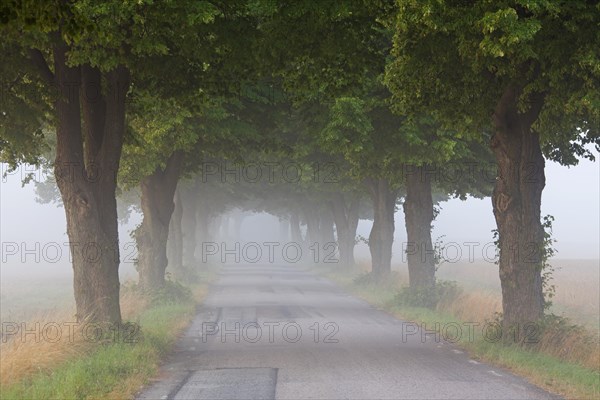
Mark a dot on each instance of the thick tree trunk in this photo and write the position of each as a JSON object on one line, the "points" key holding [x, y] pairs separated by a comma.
{"points": [[418, 213], [516, 201], [189, 225], [86, 165], [158, 191], [382, 232], [346, 221], [175, 240]]}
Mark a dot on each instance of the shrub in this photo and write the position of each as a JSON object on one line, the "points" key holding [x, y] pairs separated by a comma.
{"points": [[427, 297], [171, 293]]}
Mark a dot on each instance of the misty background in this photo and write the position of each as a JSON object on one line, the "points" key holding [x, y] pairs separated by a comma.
{"points": [[572, 196]]}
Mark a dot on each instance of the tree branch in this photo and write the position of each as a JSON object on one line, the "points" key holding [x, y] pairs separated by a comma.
{"points": [[42, 66]]}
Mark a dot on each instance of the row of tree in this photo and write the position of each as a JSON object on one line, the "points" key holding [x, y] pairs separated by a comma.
{"points": [[383, 96]]}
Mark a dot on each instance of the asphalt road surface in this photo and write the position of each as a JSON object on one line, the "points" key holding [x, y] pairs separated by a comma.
{"points": [[282, 332]]}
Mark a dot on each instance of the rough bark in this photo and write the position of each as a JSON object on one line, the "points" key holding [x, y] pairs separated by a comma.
{"points": [[382, 232], [516, 202], [346, 221], [87, 161], [158, 191], [418, 213]]}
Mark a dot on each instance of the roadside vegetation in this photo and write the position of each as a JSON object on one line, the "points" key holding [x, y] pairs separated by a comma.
{"points": [[82, 364], [152, 105], [563, 357]]}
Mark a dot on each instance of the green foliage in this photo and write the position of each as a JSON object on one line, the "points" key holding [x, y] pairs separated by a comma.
{"points": [[559, 332], [370, 281], [438, 251], [443, 291], [457, 59], [23, 100], [548, 251], [365, 279], [171, 293]]}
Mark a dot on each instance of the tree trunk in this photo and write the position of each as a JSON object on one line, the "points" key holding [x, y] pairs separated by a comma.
{"points": [[284, 230], [295, 229], [418, 213], [175, 240], [204, 233], [224, 227], [382, 232], [158, 191], [346, 222], [516, 201], [86, 165], [326, 227], [238, 220], [312, 225], [214, 228], [189, 226]]}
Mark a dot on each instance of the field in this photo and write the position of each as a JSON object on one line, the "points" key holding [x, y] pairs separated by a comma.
{"points": [[38, 292], [577, 285], [24, 297]]}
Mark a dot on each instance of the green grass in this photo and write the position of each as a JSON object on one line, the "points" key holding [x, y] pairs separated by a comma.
{"points": [[565, 378], [115, 369], [553, 374]]}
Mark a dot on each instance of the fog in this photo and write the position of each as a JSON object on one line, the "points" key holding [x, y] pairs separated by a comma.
{"points": [[572, 196]]}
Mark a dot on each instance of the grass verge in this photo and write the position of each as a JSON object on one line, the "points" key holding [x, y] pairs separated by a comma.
{"points": [[572, 379], [110, 368]]}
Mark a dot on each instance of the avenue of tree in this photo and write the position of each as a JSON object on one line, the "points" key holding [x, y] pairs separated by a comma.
{"points": [[382, 101]]}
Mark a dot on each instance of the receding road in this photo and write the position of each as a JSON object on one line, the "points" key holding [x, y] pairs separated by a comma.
{"points": [[282, 332]]}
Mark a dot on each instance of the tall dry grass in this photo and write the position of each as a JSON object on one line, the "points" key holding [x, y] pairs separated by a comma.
{"points": [[22, 355], [577, 295], [474, 306], [572, 336], [557, 338]]}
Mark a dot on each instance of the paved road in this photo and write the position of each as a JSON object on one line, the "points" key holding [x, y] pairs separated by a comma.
{"points": [[282, 332]]}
